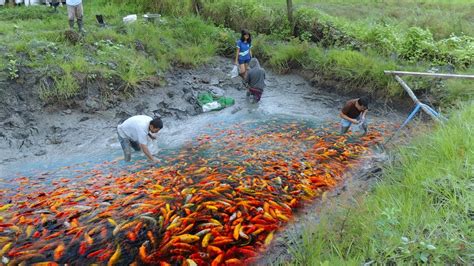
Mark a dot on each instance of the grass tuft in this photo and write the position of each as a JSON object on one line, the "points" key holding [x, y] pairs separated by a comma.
{"points": [[64, 88]]}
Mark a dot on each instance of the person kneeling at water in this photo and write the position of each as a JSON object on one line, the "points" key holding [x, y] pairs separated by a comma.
{"points": [[136, 132], [255, 79], [354, 111]]}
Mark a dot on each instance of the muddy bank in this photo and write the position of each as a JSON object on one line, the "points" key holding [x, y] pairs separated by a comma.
{"points": [[32, 131], [32, 128]]}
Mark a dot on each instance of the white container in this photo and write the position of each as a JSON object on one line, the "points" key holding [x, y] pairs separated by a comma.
{"points": [[130, 18], [152, 17], [32, 2], [211, 106]]}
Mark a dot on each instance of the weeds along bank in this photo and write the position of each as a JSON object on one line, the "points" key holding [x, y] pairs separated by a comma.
{"points": [[421, 211], [351, 42], [36, 46], [352, 52], [333, 49]]}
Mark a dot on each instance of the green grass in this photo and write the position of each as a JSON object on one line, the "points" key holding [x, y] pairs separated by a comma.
{"points": [[286, 56], [441, 17], [64, 88], [135, 52], [361, 71], [357, 44], [362, 25], [421, 211]]}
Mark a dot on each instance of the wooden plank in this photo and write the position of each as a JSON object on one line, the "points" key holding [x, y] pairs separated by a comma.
{"points": [[414, 98], [423, 74]]}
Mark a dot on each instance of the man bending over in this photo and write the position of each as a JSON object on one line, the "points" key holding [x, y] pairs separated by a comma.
{"points": [[256, 80], [354, 112], [136, 132]]}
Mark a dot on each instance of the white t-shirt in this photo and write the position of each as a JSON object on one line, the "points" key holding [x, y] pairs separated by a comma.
{"points": [[136, 128], [73, 2]]}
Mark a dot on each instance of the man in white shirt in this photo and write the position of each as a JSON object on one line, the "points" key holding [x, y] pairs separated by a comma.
{"points": [[136, 132], [75, 11]]}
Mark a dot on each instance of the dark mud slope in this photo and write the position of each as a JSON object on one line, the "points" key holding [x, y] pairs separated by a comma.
{"points": [[34, 131]]}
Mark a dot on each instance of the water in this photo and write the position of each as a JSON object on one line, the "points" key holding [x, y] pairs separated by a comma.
{"points": [[227, 182], [225, 185]]}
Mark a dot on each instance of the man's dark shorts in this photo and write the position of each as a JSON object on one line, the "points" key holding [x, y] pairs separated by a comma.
{"points": [[126, 145]]}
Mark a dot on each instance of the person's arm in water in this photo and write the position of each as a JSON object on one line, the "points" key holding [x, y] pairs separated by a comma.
{"points": [[352, 120], [362, 116], [147, 153]]}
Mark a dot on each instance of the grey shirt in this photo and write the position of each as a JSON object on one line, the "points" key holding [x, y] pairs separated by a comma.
{"points": [[256, 75]]}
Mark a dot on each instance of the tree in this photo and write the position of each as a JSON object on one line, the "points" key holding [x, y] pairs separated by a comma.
{"points": [[196, 6], [289, 6]]}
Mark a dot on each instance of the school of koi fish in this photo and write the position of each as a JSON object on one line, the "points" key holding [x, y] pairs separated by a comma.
{"points": [[218, 201]]}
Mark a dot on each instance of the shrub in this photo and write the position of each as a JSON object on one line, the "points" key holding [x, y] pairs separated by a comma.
{"points": [[287, 56], [226, 40], [253, 15], [457, 51], [382, 38], [418, 45]]}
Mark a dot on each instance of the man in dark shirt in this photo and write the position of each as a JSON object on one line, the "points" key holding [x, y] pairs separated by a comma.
{"points": [[354, 111], [255, 79]]}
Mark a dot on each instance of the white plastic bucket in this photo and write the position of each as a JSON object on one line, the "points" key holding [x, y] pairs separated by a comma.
{"points": [[130, 18]]}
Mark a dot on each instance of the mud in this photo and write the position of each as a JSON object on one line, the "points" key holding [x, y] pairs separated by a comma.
{"points": [[33, 131], [39, 137]]}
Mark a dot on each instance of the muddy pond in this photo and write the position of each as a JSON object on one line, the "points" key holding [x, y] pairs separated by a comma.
{"points": [[228, 183]]}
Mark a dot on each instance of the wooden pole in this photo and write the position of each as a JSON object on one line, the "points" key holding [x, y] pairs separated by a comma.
{"points": [[423, 74], [415, 99]]}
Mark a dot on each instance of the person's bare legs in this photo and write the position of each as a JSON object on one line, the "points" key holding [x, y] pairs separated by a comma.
{"points": [[242, 70], [344, 129]]}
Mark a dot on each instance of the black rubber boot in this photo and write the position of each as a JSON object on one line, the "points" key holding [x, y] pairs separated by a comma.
{"points": [[80, 24], [100, 20], [71, 24]]}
